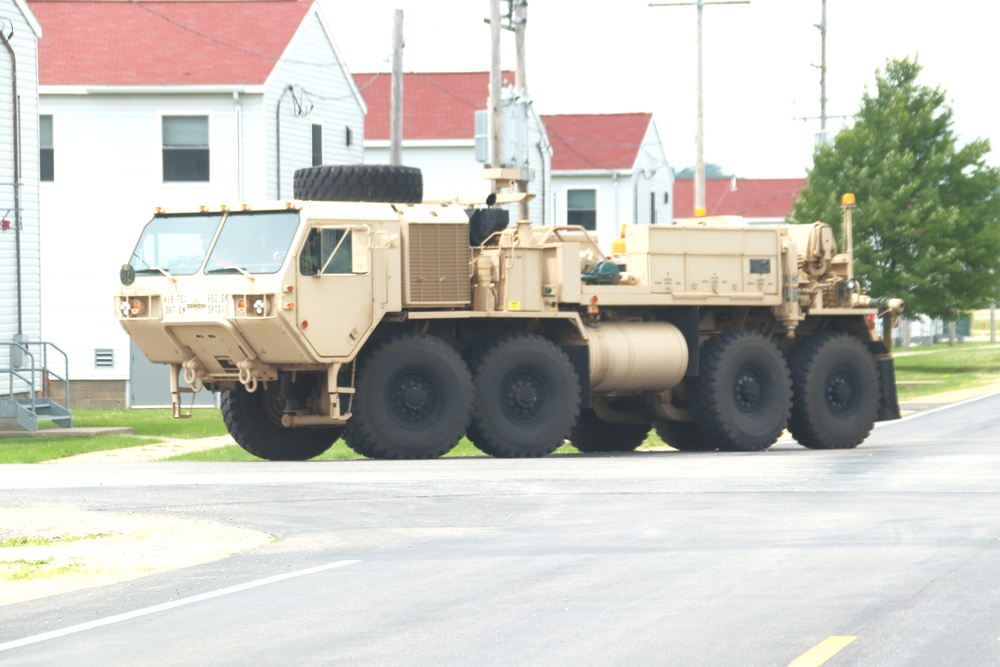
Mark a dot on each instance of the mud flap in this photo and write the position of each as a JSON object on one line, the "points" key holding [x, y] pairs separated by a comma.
{"points": [[888, 406]]}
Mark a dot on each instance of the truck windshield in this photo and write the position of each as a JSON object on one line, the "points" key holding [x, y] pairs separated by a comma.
{"points": [[174, 243], [253, 242]]}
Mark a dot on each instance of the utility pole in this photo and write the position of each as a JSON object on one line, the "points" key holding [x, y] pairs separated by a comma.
{"points": [[396, 119], [823, 117], [504, 175], [822, 75], [699, 165], [993, 320], [520, 20], [496, 140]]}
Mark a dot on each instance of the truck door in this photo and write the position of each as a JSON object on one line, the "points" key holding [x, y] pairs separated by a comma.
{"points": [[334, 288]]}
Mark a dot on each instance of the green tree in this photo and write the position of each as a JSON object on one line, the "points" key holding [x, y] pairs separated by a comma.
{"points": [[927, 226]]}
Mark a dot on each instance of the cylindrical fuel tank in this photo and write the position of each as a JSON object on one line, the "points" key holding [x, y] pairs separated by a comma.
{"points": [[636, 356]]}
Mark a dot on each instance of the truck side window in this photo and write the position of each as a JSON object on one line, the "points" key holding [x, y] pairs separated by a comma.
{"points": [[327, 251]]}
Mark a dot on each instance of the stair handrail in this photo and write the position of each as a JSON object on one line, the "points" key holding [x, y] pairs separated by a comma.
{"points": [[13, 371], [28, 376]]}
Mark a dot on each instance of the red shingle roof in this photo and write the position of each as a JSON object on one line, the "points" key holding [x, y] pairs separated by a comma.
{"points": [[440, 105], [436, 105], [596, 141], [751, 198], [163, 43]]}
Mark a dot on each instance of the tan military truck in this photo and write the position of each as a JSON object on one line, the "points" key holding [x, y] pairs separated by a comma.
{"points": [[403, 326]]}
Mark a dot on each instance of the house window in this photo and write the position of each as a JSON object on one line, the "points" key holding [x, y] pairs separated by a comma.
{"points": [[652, 208], [348, 138], [46, 151], [185, 149], [317, 145], [581, 208]]}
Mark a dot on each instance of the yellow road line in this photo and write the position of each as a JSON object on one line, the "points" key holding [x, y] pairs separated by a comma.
{"points": [[822, 651]]}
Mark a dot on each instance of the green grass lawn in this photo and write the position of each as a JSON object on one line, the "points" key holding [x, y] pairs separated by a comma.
{"points": [[939, 368], [39, 448], [205, 422], [919, 372], [148, 426]]}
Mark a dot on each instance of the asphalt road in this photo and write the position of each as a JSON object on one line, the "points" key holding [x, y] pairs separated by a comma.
{"points": [[661, 558]]}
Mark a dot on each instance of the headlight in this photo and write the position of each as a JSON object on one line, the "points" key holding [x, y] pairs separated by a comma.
{"points": [[253, 305], [133, 307]]}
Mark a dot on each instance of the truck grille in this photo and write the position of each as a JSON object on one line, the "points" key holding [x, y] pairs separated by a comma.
{"points": [[438, 264]]}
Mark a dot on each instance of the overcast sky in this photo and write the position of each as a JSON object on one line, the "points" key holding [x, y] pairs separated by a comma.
{"points": [[760, 79]]}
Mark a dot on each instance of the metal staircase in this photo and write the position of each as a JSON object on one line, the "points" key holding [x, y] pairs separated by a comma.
{"points": [[28, 399]]}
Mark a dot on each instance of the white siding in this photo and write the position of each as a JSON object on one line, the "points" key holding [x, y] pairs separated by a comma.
{"points": [[108, 179], [311, 65], [25, 45], [652, 175], [449, 171], [450, 168], [540, 160], [613, 200], [622, 196]]}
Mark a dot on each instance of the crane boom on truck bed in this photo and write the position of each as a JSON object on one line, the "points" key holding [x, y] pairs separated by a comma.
{"points": [[403, 326]]}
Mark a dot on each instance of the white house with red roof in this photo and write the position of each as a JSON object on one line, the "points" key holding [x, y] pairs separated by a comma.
{"points": [[609, 169], [762, 201], [20, 276], [171, 104], [439, 131]]}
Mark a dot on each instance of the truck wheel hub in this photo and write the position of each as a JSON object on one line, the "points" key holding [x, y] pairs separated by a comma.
{"points": [[749, 391], [413, 397], [524, 396], [839, 393]]}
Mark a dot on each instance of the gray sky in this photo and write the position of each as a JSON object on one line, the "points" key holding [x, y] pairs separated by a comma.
{"points": [[590, 57]]}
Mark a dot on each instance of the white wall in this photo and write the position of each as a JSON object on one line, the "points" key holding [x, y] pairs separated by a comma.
{"points": [[108, 178], [652, 174], [450, 169], [622, 196], [613, 200], [108, 181], [313, 66], [24, 43]]}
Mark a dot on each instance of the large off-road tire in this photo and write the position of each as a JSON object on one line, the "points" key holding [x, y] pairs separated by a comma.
{"points": [[835, 392], [593, 434], [683, 436], [414, 399], [744, 392], [254, 421], [527, 397], [360, 182]]}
